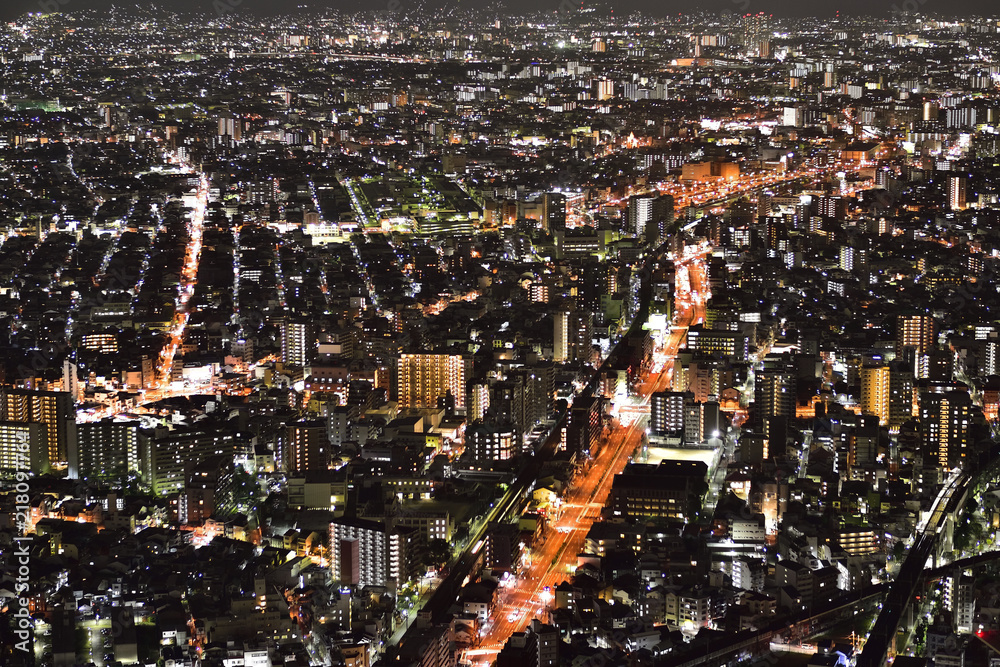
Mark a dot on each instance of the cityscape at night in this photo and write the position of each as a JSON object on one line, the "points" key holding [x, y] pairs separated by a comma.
{"points": [[460, 336]]}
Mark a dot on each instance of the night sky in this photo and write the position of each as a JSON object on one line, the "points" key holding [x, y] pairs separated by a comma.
{"points": [[10, 9]]}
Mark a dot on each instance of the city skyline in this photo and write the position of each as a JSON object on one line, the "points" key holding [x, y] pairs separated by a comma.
{"points": [[488, 9]]}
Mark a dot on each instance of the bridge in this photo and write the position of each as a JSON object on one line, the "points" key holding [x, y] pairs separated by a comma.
{"points": [[882, 637], [753, 643], [932, 542], [933, 538]]}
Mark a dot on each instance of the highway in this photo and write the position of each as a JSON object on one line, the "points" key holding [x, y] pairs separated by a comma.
{"points": [[898, 594], [438, 601], [441, 597], [719, 191]]}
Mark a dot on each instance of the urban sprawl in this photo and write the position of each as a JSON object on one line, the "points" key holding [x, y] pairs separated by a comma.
{"points": [[455, 337]]}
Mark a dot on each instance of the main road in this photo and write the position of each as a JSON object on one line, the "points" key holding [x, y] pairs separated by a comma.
{"points": [[185, 290], [189, 277], [554, 560]]}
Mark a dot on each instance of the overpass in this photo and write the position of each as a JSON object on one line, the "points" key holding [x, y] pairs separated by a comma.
{"points": [[933, 539], [754, 643], [969, 563], [882, 637], [898, 595]]}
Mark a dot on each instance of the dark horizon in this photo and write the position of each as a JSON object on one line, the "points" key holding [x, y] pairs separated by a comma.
{"points": [[14, 9]]}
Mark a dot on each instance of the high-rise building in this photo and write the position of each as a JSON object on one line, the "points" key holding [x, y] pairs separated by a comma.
{"points": [[54, 409], [701, 420], [492, 442], [24, 446], [548, 640], [640, 213], [298, 343], [853, 258], [106, 449], [937, 365], [555, 211], [662, 218], [404, 544], [367, 553], [208, 491], [231, 127], [168, 455], [900, 396], [503, 547], [71, 382], [308, 447], [947, 424], [707, 377], [862, 442], [338, 423], [666, 412], [756, 34], [477, 401], [262, 192], [507, 401], [585, 425], [957, 185], [524, 398], [540, 385], [581, 335], [915, 332], [875, 392], [358, 552], [722, 343], [560, 336], [792, 116], [961, 598], [538, 646], [828, 206], [425, 379], [663, 491], [774, 395]]}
